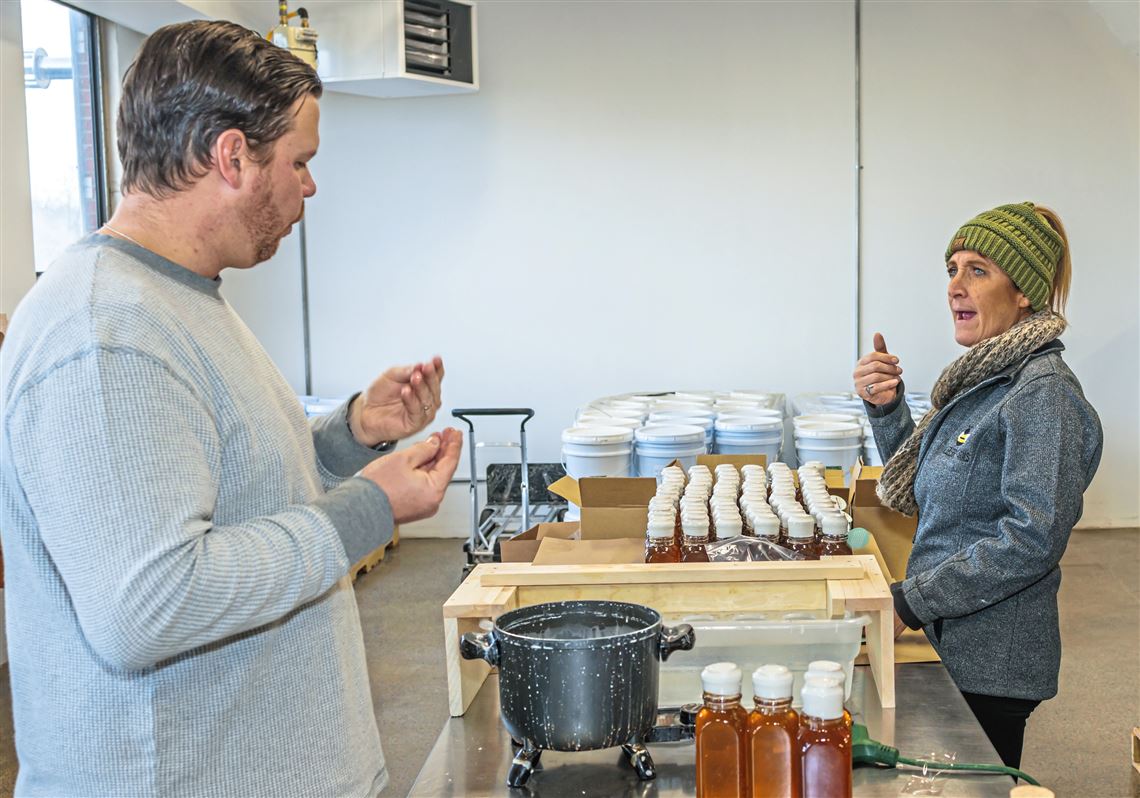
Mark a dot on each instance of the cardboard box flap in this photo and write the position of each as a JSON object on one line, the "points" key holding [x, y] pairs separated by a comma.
{"points": [[617, 491], [567, 488], [864, 480], [524, 546]]}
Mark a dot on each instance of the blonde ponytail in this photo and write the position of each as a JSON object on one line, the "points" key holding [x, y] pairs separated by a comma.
{"points": [[1064, 275]]}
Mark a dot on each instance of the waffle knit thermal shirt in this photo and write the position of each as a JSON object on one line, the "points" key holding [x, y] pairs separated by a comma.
{"points": [[177, 539]]}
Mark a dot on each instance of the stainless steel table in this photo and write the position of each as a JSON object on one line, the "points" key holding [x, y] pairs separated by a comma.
{"points": [[473, 753]]}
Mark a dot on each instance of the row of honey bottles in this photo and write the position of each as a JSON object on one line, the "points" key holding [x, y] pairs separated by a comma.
{"points": [[773, 752]]}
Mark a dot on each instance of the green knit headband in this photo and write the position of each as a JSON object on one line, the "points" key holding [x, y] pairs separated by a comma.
{"points": [[1021, 242]]}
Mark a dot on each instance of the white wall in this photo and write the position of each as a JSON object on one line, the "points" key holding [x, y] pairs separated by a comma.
{"points": [[970, 105], [17, 260]]}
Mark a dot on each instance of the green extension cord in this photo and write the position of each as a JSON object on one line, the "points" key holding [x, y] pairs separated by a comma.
{"points": [[866, 751]]}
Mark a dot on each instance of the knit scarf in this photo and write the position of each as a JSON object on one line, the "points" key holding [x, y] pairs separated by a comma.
{"points": [[982, 361]]}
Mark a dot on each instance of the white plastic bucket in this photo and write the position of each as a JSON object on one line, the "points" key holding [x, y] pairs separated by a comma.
{"points": [[660, 444], [752, 412], [750, 435], [836, 445], [694, 421], [597, 451]]}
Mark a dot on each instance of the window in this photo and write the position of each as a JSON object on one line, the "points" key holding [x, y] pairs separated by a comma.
{"points": [[65, 146]]}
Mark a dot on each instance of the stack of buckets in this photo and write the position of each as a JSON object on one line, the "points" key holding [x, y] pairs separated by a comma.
{"points": [[639, 435]]}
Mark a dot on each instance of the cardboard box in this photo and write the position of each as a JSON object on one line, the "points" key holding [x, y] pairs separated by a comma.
{"points": [[893, 531], [612, 507], [524, 547], [618, 551]]}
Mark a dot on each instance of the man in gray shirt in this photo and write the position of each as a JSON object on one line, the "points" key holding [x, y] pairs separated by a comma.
{"points": [[177, 536]]}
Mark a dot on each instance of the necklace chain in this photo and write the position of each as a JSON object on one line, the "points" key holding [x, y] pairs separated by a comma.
{"points": [[121, 234]]}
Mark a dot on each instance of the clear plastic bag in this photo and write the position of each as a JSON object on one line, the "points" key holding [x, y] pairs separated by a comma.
{"points": [[929, 780], [747, 549]]}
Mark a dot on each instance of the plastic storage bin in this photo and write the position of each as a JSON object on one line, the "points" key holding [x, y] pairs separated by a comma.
{"points": [[790, 639]]}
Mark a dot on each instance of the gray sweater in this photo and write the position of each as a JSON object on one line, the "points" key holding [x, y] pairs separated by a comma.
{"points": [[1002, 471], [176, 544]]}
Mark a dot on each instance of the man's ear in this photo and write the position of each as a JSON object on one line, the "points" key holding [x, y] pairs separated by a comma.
{"points": [[231, 156], [1023, 301]]}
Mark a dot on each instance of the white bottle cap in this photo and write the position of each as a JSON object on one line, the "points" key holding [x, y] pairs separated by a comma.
{"points": [[826, 668], [834, 525], [800, 526], [822, 698], [695, 527], [729, 527], [659, 530], [772, 681], [766, 526], [722, 678]]}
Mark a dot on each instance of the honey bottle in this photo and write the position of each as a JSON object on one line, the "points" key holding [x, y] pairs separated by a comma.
{"points": [[721, 732], [833, 537], [766, 526], [824, 742], [696, 535], [773, 736], [801, 536], [660, 545]]}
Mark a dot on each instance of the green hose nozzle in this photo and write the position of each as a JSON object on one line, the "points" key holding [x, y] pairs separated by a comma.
{"points": [[865, 751]]}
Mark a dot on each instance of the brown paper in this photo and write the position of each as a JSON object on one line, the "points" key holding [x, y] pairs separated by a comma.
{"points": [[522, 548]]}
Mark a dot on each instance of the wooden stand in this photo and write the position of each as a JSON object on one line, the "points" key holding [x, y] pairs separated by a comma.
{"points": [[374, 557], [833, 585]]}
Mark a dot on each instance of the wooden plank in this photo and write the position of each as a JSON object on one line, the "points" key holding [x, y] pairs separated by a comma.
{"points": [[673, 573], [1136, 748], [464, 676], [836, 598], [690, 599]]}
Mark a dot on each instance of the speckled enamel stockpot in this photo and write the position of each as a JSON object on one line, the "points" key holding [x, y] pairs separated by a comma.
{"points": [[563, 687]]}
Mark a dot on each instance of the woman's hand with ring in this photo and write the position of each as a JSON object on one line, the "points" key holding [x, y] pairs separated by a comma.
{"points": [[877, 375]]}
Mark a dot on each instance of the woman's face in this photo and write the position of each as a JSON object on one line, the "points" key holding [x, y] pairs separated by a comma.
{"points": [[984, 302]]}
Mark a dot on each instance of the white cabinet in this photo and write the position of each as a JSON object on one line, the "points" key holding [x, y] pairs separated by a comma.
{"points": [[377, 48]]}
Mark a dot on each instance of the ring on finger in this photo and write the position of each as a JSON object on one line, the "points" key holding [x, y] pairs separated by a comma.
{"points": [[870, 388], [426, 409]]}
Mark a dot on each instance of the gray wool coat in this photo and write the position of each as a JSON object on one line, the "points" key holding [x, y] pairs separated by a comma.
{"points": [[1001, 475]]}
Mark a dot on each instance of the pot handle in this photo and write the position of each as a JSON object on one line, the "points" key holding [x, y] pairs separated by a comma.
{"points": [[675, 638], [480, 646]]}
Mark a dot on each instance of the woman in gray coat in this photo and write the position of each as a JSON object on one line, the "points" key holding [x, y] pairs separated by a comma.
{"points": [[996, 470]]}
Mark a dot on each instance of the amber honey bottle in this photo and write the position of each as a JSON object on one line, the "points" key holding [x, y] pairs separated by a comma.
{"points": [[696, 536], [660, 545], [721, 732], [773, 754], [824, 742]]}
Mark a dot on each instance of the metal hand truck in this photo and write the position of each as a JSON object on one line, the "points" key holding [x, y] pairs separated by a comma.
{"points": [[508, 509]]}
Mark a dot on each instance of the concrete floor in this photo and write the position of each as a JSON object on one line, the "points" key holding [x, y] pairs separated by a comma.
{"points": [[1077, 744]]}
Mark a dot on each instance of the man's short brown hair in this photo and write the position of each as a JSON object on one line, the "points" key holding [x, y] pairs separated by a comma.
{"points": [[190, 82]]}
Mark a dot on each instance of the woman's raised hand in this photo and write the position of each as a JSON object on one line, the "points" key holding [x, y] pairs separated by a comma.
{"points": [[877, 374]]}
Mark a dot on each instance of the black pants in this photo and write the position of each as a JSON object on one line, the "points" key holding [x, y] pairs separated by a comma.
{"points": [[1003, 720]]}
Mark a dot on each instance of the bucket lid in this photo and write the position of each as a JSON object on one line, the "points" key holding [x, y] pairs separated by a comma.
{"points": [[670, 433], [693, 411], [597, 420], [746, 424], [750, 411], [704, 397], [597, 435], [812, 418], [830, 430]]}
